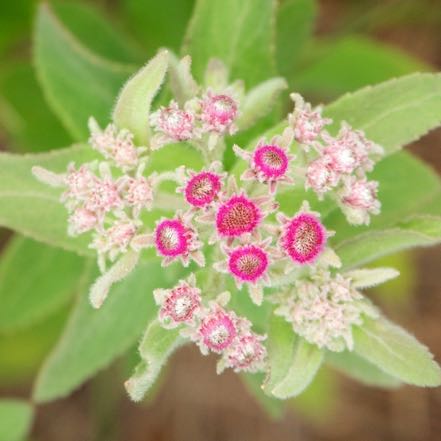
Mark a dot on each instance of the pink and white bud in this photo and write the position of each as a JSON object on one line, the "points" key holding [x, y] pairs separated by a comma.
{"points": [[180, 304], [359, 200], [321, 176], [103, 196], [218, 113], [79, 182], [139, 193], [81, 221], [306, 122], [172, 124]]}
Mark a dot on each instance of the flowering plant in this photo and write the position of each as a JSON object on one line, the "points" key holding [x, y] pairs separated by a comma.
{"points": [[244, 229]]}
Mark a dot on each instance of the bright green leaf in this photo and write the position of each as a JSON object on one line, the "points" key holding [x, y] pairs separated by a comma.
{"points": [[349, 63], [32, 208], [92, 339], [158, 24], [304, 365], [393, 113], [361, 370], [295, 22], [156, 347], [396, 352], [77, 83], [240, 33], [51, 278], [133, 105], [15, 419]]}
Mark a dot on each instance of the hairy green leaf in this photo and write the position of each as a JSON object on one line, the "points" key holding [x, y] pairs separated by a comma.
{"points": [[156, 347], [393, 113], [240, 33], [396, 352], [15, 419], [349, 63], [352, 365], [77, 83], [133, 105], [92, 339], [51, 278]]}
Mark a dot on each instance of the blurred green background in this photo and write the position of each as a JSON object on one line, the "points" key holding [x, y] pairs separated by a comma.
{"points": [[336, 46]]}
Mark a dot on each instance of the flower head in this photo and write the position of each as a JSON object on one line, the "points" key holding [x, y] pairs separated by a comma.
{"points": [[179, 304], [246, 354], [202, 188], [81, 221], [139, 192], [218, 113], [302, 237], [321, 175]]}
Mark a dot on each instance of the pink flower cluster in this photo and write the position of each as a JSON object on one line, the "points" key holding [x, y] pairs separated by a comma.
{"points": [[211, 326], [210, 114], [337, 164]]}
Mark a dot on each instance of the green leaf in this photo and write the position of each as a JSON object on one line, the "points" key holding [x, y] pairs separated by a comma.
{"points": [[158, 24], [26, 129], [240, 33], [293, 362], [349, 63], [32, 208], [133, 105], [393, 113], [93, 30], [361, 370], [396, 352], [304, 365], [295, 22], [77, 83], [51, 278], [15, 419], [93, 339], [419, 231], [156, 347]]}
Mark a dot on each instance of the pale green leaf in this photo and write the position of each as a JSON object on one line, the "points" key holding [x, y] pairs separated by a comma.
{"points": [[419, 231], [295, 22], [240, 33], [304, 364], [393, 113], [93, 339], [33, 208], [77, 83], [156, 347], [132, 108], [334, 67], [369, 277], [35, 280], [396, 352], [15, 419], [352, 365]]}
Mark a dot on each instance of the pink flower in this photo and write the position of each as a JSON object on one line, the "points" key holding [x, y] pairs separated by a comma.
{"points": [[139, 192], [120, 234], [202, 188], [179, 304], [248, 263], [307, 123], [246, 354], [177, 239], [81, 221], [79, 182], [321, 176], [218, 113], [103, 196], [173, 123], [341, 157], [359, 199], [303, 237], [217, 330], [237, 216]]}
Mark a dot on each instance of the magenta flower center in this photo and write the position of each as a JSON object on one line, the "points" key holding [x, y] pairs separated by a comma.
{"points": [[237, 216], [304, 238], [218, 332], [271, 160], [248, 263], [202, 189], [171, 238]]}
